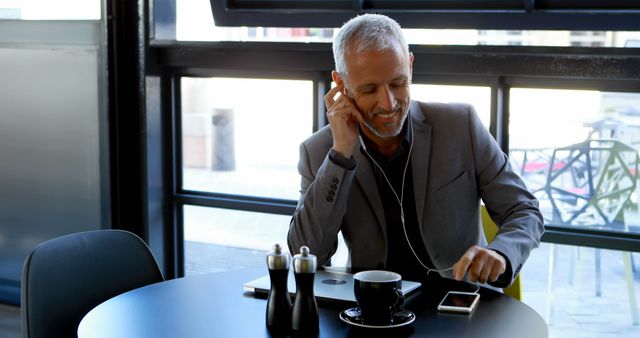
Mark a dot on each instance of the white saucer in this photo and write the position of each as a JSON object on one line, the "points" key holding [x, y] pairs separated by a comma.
{"points": [[353, 316]]}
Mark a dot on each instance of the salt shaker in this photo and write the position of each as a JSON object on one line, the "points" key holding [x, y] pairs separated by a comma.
{"points": [[279, 302], [304, 318]]}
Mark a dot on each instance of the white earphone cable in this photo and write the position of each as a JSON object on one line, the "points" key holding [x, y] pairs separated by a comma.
{"points": [[401, 198]]}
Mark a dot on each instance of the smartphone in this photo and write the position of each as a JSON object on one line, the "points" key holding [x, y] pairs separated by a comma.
{"points": [[459, 302]]}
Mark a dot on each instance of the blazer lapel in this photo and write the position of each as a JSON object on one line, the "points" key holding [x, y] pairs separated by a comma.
{"points": [[367, 182], [420, 158]]}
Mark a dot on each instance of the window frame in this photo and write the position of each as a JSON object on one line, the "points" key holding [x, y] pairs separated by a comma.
{"points": [[457, 14], [226, 200], [500, 67]]}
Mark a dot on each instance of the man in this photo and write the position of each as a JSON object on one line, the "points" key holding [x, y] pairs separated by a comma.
{"points": [[403, 179]]}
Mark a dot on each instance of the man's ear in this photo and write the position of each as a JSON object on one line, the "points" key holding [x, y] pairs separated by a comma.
{"points": [[337, 78], [411, 64]]}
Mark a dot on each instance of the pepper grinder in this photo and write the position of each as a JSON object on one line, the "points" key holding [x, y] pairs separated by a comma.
{"points": [[304, 318], [279, 302]]}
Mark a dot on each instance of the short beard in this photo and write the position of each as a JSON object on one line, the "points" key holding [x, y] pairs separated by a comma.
{"points": [[391, 133], [378, 133]]}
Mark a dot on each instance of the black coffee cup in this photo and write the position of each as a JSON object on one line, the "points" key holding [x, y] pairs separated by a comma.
{"points": [[378, 294]]}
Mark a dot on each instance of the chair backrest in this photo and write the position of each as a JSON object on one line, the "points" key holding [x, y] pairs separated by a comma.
{"points": [[589, 183], [64, 278], [490, 230]]}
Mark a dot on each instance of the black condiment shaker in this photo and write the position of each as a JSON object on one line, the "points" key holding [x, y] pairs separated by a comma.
{"points": [[279, 302], [304, 317]]}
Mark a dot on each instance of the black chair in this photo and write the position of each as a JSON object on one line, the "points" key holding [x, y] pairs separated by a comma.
{"points": [[64, 278]]}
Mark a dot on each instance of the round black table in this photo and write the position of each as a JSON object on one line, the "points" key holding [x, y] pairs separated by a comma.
{"points": [[215, 305]]}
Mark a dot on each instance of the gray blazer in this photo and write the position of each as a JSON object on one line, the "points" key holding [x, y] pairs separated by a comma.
{"points": [[455, 162]]}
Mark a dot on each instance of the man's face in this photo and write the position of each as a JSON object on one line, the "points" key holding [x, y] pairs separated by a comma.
{"points": [[378, 82]]}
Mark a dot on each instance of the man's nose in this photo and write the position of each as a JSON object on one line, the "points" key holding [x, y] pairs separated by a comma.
{"points": [[386, 99]]}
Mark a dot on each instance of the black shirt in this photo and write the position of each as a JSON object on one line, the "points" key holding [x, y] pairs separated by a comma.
{"points": [[400, 257]]}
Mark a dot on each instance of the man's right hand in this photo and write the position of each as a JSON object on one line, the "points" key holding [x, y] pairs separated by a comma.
{"points": [[343, 116]]}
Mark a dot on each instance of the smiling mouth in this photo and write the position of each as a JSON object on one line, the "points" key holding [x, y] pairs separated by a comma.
{"points": [[387, 116]]}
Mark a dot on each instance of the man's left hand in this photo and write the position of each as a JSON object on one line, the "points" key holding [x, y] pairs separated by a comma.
{"points": [[484, 265]]}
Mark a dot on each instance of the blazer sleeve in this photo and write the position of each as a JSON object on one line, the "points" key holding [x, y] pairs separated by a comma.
{"points": [[509, 203], [323, 203]]}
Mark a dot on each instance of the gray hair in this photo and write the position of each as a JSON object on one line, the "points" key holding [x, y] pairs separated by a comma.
{"points": [[367, 32]]}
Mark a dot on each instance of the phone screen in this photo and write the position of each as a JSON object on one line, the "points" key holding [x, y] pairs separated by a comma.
{"points": [[459, 299], [462, 302]]}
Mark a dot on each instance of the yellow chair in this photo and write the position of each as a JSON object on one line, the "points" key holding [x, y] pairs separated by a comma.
{"points": [[490, 230]]}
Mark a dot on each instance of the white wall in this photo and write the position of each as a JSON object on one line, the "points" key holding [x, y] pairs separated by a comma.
{"points": [[50, 135]]}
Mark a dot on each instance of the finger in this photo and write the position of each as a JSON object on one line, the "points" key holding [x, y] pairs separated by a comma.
{"points": [[355, 113], [500, 266], [329, 97], [460, 268], [495, 272], [345, 108], [487, 270], [342, 111], [473, 276], [479, 265]]}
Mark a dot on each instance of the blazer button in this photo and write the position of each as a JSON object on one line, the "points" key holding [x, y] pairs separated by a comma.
{"points": [[329, 198], [334, 187], [334, 180], [332, 193]]}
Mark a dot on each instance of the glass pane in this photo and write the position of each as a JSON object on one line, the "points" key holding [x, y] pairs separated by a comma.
{"points": [[584, 284], [521, 38], [222, 239], [478, 97], [50, 10], [577, 150], [241, 136], [195, 23]]}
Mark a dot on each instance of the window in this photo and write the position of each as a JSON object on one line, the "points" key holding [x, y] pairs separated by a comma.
{"points": [[238, 74], [478, 97], [584, 169], [195, 23], [50, 10], [241, 136], [507, 14], [216, 239]]}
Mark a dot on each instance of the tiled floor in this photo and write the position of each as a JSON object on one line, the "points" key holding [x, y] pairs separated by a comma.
{"points": [[577, 312]]}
